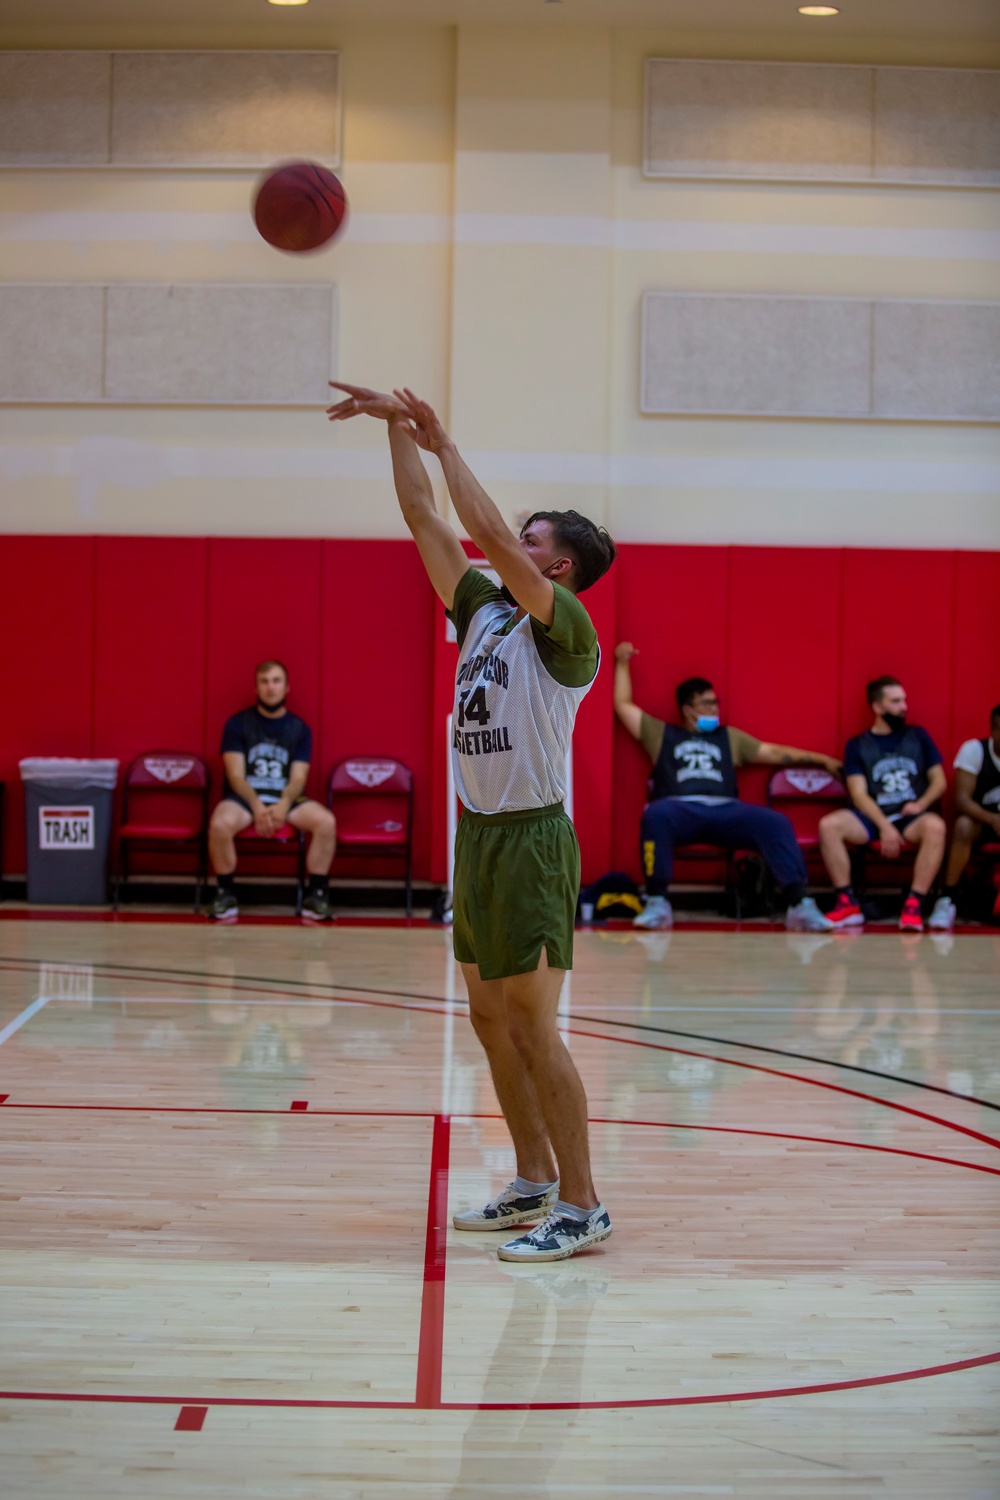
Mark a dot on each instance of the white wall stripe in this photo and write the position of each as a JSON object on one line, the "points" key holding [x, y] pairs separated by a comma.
{"points": [[678, 236], [94, 462]]}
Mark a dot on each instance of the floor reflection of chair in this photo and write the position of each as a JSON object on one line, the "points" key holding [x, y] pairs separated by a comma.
{"points": [[532, 1362]]}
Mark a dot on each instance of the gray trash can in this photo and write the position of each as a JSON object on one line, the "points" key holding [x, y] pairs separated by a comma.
{"points": [[68, 814]]}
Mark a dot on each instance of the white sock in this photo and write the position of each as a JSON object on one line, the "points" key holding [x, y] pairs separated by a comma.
{"points": [[570, 1211], [526, 1189]]}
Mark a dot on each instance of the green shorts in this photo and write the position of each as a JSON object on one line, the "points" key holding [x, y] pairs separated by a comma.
{"points": [[517, 878]]}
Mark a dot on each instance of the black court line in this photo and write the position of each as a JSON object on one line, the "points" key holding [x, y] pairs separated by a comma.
{"points": [[362, 989]]}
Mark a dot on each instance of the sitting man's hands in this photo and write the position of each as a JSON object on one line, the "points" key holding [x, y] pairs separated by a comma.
{"points": [[891, 841], [264, 824]]}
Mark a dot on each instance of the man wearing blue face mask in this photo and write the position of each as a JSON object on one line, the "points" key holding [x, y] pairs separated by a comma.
{"points": [[695, 799]]}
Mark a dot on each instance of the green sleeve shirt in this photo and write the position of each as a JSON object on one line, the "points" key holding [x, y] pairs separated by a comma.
{"points": [[568, 647]]}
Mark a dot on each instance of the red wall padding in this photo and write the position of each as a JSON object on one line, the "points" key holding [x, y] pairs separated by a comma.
{"points": [[123, 644]]}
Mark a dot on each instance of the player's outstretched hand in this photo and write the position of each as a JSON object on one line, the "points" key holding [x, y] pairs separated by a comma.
{"points": [[362, 401], [426, 428]]}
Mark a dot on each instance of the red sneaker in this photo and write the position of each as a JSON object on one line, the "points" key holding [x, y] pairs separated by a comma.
{"points": [[846, 912], [911, 918]]}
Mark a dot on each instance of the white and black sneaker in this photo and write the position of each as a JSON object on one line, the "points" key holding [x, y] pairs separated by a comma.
{"points": [[559, 1237], [225, 907], [509, 1209]]}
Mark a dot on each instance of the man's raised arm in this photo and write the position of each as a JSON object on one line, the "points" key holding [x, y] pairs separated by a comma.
{"points": [[480, 516], [440, 550]]}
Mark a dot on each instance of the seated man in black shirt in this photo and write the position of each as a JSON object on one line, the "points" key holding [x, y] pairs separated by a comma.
{"points": [[695, 799], [977, 806], [894, 775], [266, 752]]}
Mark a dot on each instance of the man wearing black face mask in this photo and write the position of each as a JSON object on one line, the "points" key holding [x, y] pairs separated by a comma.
{"points": [[894, 775], [266, 751]]}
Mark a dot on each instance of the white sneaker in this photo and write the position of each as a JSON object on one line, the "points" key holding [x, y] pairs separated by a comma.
{"points": [[942, 918], [559, 1237], [508, 1209], [807, 917], [656, 913]]}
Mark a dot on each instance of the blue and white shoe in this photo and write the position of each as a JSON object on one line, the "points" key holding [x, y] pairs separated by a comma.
{"points": [[559, 1237], [509, 1209], [807, 917]]}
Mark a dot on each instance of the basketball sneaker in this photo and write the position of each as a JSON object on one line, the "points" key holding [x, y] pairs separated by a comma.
{"points": [[508, 1209], [559, 1237], [316, 907], [656, 913], [942, 918], [846, 913], [225, 907], [911, 918], [807, 917]]}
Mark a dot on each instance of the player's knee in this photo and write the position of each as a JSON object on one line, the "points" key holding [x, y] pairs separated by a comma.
{"points": [[219, 824], [935, 828], [829, 826], [326, 823], [965, 829]]}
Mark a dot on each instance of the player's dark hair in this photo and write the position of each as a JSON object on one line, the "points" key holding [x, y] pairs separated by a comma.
{"points": [[877, 687], [590, 546], [995, 714], [265, 666], [688, 690]]}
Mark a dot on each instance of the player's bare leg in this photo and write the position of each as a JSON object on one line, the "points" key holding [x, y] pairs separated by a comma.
{"points": [[321, 825], [228, 819], [532, 1002], [511, 1079]]}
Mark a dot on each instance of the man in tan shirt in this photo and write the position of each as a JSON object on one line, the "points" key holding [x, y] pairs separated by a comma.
{"points": [[695, 799]]}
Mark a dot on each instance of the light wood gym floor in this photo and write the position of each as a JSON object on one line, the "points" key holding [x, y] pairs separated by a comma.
{"points": [[230, 1159]]}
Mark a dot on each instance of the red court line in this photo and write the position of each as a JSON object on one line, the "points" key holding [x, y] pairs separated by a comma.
{"points": [[298, 1106], [437, 1009], [191, 1419], [430, 1351], [720, 1398], [426, 1114]]}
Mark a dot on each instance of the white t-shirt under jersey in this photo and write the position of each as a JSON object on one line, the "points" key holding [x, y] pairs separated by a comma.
{"points": [[970, 757], [518, 688]]}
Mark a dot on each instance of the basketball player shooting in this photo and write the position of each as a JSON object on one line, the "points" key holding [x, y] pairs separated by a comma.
{"points": [[528, 655]]}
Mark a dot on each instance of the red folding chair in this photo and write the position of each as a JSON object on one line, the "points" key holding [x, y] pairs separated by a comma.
{"points": [[372, 800], [288, 841], [165, 807], [805, 795]]}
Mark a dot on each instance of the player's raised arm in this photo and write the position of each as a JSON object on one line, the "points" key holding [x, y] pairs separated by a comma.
{"points": [[481, 518], [440, 550]]}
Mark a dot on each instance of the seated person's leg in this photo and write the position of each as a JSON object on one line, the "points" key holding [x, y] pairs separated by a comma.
{"points": [[963, 841], [228, 819], [772, 835], [318, 822], [929, 834], [838, 831], [667, 822]]}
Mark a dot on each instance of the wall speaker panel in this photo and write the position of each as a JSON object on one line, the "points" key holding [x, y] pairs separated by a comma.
{"points": [[244, 109], [937, 359], [937, 125], [51, 337], [731, 119], [55, 108], [219, 345], [786, 356]]}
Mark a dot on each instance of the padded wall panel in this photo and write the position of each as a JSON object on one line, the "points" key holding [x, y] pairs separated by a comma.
{"points": [[55, 108], [46, 607], [593, 741], [673, 604], [219, 345], [755, 355], [149, 644], [784, 609], [52, 340], [734, 119], [377, 626], [244, 109], [898, 618], [263, 601], [937, 125], [976, 651], [937, 359]]}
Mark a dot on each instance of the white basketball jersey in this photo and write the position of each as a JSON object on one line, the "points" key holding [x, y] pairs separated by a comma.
{"points": [[513, 721]]}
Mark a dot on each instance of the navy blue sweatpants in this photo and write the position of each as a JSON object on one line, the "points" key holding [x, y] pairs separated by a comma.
{"points": [[672, 821]]}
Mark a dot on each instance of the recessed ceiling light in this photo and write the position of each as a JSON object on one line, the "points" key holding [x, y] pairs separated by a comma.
{"points": [[804, 10], [288, 2]]}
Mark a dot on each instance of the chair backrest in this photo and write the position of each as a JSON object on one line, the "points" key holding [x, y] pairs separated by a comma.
{"points": [[804, 795], [366, 774], [160, 783], [168, 770], [372, 798]]}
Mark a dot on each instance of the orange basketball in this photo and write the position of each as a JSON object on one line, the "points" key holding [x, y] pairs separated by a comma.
{"points": [[299, 206]]}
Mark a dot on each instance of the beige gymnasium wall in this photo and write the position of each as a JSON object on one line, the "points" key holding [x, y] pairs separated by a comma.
{"points": [[501, 238]]}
